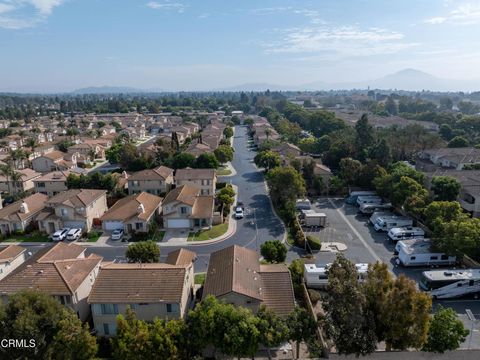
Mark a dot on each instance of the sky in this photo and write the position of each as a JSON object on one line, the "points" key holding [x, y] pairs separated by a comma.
{"points": [[62, 45]]}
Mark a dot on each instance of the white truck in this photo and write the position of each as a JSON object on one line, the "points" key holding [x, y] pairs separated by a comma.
{"points": [[405, 233], [385, 223], [316, 276], [417, 252], [311, 218]]}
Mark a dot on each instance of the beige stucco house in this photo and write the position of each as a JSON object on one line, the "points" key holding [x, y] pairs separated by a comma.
{"points": [[54, 161], [185, 208], [25, 183], [235, 275], [62, 271], [158, 290], [11, 257], [52, 183], [19, 215], [76, 208], [133, 213], [205, 179], [154, 181]]}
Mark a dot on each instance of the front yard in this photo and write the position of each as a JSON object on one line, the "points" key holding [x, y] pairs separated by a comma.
{"points": [[209, 234], [32, 237], [223, 171]]}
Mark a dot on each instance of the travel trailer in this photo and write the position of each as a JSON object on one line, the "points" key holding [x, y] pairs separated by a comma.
{"points": [[405, 233], [369, 200], [368, 209], [352, 198], [378, 214], [316, 276], [417, 252], [312, 218], [385, 223]]}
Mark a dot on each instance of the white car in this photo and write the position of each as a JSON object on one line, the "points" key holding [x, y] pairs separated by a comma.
{"points": [[74, 234], [238, 213], [117, 234], [60, 234]]}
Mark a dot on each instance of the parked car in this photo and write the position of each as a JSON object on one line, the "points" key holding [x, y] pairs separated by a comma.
{"points": [[117, 234], [60, 234], [240, 204], [74, 234], [238, 213]]}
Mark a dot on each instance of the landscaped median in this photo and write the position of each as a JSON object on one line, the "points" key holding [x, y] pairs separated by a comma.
{"points": [[214, 232]]}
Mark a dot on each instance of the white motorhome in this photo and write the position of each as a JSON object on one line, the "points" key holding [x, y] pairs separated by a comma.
{"points": [[405, 233], [438, 279], [369, 200], [385, 223], [316, 276], [378, 214], [368, 209], [417, 252], [352, 198]]}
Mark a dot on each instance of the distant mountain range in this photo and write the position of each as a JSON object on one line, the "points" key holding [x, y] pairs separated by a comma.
{"points": [[407, 79]]}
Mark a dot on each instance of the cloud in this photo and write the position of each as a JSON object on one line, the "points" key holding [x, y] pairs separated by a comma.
{"points": [[21, 14], [331, 41], [169, 6], [463, 14]]}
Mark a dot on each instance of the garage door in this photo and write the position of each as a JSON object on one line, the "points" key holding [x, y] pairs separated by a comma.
{"points": [[112, 225], [178, 223], [74, 224]]}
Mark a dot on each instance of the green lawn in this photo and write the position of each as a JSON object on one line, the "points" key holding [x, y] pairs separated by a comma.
{"points": [[200, 278], [222, 171], [93, 236], [33, 237], [212, 233]]}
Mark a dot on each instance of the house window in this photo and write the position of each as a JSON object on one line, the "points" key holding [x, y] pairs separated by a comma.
{"points": [[41, 184], [133, 306], [64, 212], [172, 308], [139, 226], [109, 309], [109, 329], [183, 210]]}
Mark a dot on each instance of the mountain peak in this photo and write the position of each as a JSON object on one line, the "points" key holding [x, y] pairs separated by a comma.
{"points": [[411, 72]]}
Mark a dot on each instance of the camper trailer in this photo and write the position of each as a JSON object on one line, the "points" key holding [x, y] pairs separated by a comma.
{"points": [[352, 198], [405, 233], [368, 209], [316, 276], [369, 200], [311, 218], [378, 214], [385, 223], [417, 252]]}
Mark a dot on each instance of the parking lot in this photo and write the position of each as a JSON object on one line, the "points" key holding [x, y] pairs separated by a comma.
{"points": [[365, 245]]}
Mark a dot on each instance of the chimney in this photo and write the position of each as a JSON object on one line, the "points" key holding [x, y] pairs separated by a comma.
{"points": [[24, 208], [140, 209], [125, 175]]}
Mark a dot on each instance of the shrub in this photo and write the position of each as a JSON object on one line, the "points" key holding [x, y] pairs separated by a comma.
{"points": [[93, 234], [314, 243], [314, 296]]}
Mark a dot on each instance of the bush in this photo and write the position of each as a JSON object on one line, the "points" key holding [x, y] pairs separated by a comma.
{"points": [[274, 251], [314, 296], [314, 243], [297, 234], [93, 234]]}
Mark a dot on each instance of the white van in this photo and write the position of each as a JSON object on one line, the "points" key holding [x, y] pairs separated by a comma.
{"points": [[352, 198], [369, 200], [385, 223], [405, 233], [417, 252], [368, 209], [303, 204], [378, 214]]}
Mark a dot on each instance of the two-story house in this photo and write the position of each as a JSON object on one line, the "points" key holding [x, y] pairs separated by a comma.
{"points": [[23, 183], [22, 213], [153, 181], [133, 213], [54, 161], [76, 208], [52, 183], [185, 208], [204, 179], [11, 257], [451, 158], [235, 275], [158, 290], [62, 271]]}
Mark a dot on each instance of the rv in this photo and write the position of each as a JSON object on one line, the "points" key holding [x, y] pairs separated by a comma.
{"points": [[439, 279], [312, 218], [385, 223], [317, 276], [368, 209], [378, 214], [369, 200], [352, 198], [417, 252], [303, 204], [405, 233]]}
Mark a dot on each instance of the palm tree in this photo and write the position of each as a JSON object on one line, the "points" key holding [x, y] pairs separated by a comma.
{"points": [[15, 178], [7, 170]]}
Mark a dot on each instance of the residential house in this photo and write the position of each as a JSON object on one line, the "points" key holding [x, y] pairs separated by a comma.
{"points": [[53, 183], [76, 208], [21, 214], [54, 161], [197, 149], [205, 179], [133, 213], [185, 208], [157, 290], [24, 183], [154, 181], [287, 150], [235, 275], [451, 158], [62, 271], [11, 257], [88, 151]]}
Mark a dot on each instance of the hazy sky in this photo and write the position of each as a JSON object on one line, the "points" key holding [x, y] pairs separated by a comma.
{"points": [[60, 45]]}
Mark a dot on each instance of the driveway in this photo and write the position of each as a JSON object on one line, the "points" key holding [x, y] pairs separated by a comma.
{"points": [[175, 236]]}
